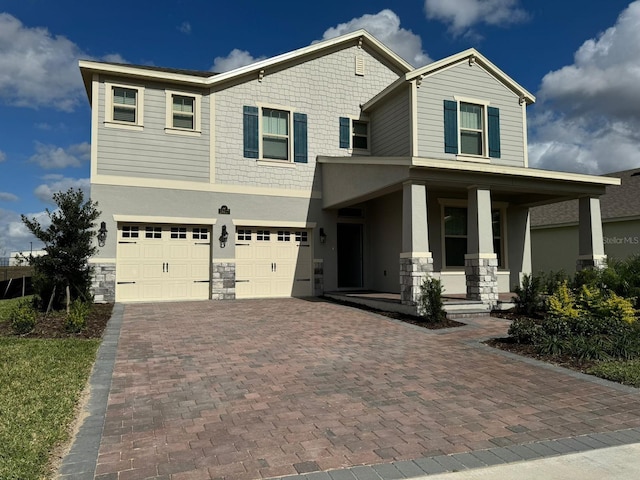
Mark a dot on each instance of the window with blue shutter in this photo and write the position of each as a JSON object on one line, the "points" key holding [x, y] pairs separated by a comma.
{"points": [[250, 131], [450, 126], [493, 121], [345, 132], [300, 137]]}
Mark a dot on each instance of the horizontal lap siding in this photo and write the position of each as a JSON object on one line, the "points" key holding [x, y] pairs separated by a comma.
{"points": [[391, 126], [324, 88], [473, 82], [152, 152]]}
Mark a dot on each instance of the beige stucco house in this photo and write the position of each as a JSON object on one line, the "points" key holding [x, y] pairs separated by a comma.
{"points": [[555, 229], [337, 166]]}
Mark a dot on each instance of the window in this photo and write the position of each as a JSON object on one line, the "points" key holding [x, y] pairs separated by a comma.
{"points": [[354, 134], [124, 106], [455, 235], [178, 232], [153, 232], [199, 233], [302, 237], [263, 235], [130, 231], [244, 234], [284, 236], [183, 113], [471, 128], [275, 134]]}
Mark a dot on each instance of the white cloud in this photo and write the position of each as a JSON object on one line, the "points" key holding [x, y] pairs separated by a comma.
{"points": [[3, 156], [51, 156], [58, 183], [14, 235], [185, 27], [591, 109], [237, 58], [385, 26], [8, 197], [114, 58], [461, 15], [39, 69]]}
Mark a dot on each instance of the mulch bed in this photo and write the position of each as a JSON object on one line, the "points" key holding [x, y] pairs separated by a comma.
{"points": [[53, 325]]}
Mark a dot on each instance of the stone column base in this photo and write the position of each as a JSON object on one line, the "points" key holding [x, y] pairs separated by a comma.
{"points": [[223, 281], [588, 261], [103, 282], [413, 270], [481, 273], [318, 277]]}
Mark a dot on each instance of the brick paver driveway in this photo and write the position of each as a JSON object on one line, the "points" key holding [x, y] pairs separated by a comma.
{"points": [[265, 388]]}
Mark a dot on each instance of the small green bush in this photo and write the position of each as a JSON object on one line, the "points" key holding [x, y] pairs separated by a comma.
{"points": [[23, 317], [627, 372], [431, 304], [528, 297], [549, 281], [526, 331], [76, 319], [562, 303]]}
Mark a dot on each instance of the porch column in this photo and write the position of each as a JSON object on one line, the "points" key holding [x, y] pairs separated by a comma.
{"points": [[416, 261], [480, 262], [591, 243]]}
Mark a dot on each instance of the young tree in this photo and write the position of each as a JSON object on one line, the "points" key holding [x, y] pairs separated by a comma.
{"points": [[68, 246]]}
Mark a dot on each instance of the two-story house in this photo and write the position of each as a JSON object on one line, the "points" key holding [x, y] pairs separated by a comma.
{"points": [[335, 166]]}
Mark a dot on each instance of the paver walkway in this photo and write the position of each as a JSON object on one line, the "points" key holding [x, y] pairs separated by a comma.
{"points": [[266, 388]]}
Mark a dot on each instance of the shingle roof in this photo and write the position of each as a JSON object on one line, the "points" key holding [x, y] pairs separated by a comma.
{"points": [[619, 202], [182, 71]]}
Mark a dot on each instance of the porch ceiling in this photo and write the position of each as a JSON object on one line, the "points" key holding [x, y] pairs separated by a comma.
{"points": [[351, 180]]}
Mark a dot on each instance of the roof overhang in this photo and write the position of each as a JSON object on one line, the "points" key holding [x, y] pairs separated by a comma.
{"points": [[351, 180]]}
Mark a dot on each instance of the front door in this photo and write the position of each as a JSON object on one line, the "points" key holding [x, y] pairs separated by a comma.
{"points": [[350, 255]]}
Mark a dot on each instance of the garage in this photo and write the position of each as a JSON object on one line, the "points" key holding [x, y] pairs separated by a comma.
{"points": [[163, 262], [273, 262]]}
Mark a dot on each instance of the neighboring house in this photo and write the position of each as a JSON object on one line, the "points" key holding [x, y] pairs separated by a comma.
{"points": [[555, 228], [336, 166], [18, 258]]}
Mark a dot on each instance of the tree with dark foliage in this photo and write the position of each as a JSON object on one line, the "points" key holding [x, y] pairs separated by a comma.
{"points": [[64, 273]]}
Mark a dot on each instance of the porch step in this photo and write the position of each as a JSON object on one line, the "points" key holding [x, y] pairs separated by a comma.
{"points": [[458, 309]]}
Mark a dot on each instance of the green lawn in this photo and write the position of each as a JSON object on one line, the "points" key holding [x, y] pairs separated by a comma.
{"points": [[41, 382], [625, 372]]}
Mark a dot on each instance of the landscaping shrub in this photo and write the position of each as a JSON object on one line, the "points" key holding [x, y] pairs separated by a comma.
{"points": [[76, 319], [23, 317], [549, 281], [562, 303], [528, 297], [605, 304], [627, 373], [431, 304], [526, 331]]}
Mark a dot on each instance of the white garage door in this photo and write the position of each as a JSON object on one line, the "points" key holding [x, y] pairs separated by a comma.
{"points": [[163, 262], [273, 263]]}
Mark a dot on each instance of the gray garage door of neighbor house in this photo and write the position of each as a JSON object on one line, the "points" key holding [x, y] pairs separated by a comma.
{"points": [[273, 262], [163, 262]]}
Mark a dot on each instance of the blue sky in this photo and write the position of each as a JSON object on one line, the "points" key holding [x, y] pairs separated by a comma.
{"points": [[581, 60]]}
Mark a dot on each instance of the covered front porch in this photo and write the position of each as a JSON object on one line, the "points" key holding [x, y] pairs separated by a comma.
{"points": [[462, 222]]}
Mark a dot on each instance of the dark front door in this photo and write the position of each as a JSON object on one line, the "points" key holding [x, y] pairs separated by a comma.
{"points": [[350, 255]]}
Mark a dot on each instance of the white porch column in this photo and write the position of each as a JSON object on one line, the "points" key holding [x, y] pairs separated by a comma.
{"points": [[591, 243], [416, 261], [481, 262]]}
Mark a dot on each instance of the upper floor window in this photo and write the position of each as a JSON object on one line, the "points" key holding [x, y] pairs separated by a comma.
{"points": [[471, 128], [354, 134], [183, 113], [275, 134], [124, 105]]}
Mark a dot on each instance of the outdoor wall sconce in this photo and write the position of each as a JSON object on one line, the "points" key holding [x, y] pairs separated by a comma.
{"points": [[224, 236], [323, 236], [102, 234]]}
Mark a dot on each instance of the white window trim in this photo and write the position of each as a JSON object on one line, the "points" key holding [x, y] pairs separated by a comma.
{"points": [[108, 107], [460, 203], [274, 161], [485, 130], [197, 114], [362, 119]]}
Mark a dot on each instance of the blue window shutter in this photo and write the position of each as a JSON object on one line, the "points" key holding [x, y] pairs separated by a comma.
{"points": [[344, 132], [494, 132], [300, 137], [250, 130], [450, 126]]}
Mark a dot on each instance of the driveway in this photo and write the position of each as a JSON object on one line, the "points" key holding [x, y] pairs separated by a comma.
{"points": [[267, 388]]}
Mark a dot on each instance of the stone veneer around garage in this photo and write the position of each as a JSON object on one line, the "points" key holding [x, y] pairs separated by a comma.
{"points": [[223, 281], [103, 282]]}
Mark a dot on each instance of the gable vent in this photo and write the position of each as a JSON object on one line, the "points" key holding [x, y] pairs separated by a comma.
{"points": [[359, 65]]}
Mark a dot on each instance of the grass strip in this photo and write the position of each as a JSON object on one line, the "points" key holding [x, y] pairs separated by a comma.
{"points": [[41, 384], [625, 372]]}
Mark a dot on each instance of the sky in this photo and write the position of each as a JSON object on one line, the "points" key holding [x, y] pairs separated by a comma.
{"points": [[581, 59]]}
